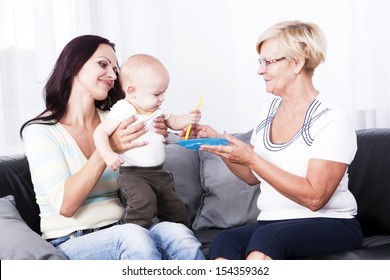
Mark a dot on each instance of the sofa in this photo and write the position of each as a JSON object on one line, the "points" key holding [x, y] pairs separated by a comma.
{"points": [[215, 199]]}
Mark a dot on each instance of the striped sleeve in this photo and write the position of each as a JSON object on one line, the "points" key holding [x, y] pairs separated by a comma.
{"points": [[48, 165]]}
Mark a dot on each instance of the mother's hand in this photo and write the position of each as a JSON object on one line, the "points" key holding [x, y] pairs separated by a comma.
{"points": [[124, 137], [161, 128]]}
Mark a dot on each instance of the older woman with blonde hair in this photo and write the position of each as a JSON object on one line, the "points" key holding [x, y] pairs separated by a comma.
{"points": [[300, 150]]}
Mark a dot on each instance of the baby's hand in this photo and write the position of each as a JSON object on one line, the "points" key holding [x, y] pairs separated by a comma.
{"points": [[195, 116], [113, 161]]}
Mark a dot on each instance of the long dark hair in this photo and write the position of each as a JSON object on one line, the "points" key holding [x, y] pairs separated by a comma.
{"points": [[58, 87]]}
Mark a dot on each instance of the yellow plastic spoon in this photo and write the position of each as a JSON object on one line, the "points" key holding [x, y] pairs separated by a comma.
{"points": [[190, 126]]}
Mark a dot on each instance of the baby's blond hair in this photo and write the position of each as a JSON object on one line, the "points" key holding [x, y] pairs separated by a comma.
{"points": [[130, 69]]}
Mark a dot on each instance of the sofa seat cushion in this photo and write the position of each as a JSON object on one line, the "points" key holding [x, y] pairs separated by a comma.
{"points": [[205, 237], [17, 240], [380, 252], [376, 240]]}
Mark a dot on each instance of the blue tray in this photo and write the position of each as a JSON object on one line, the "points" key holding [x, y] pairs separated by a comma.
{"points": [[194, 144]]}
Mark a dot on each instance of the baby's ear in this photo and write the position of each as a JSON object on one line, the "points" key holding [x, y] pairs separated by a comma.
{"points": [[131, 91]]}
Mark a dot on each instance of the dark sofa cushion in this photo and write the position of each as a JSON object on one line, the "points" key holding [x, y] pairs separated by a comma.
{"points": [[184, 166], [15, 179], [369, 180], [227, 200], [17, 240]]}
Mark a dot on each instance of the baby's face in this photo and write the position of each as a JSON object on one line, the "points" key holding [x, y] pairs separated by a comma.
{"points": [[150, 92]]}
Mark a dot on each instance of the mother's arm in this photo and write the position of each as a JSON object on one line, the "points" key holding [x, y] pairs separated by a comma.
{"points": [[124, 138], [54, 182], [78, 186]]}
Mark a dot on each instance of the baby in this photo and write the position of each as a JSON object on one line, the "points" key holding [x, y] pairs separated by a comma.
{"points": [[148, 190]]}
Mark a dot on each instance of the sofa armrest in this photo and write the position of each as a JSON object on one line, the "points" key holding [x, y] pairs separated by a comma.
{"points": [[369, 179], [15, 179]]}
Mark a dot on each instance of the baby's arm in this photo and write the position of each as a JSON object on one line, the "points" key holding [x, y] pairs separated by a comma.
{"points": [[101, 137], [179, 122]]}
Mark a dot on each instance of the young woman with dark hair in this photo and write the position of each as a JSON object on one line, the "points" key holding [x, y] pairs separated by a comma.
{"points": [[76, 192]]}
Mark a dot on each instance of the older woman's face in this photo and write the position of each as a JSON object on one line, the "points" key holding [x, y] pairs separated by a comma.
{"points": [[274, 67]]}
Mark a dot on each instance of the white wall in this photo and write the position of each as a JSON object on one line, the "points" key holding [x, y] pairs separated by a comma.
{"points": [[209, 49], [207, 45]]}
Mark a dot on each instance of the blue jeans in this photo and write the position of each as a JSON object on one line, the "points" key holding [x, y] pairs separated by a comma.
{"points": [[163, 241]]}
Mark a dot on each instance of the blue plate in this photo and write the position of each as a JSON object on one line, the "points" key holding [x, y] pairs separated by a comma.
{"points": [[194, 144]]}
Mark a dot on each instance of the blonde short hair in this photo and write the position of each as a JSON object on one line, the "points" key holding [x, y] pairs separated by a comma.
{"points": [[298, 39]]}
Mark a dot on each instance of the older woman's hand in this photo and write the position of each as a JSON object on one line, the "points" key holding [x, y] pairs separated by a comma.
{"points": [[237, 152], [200, 131]]}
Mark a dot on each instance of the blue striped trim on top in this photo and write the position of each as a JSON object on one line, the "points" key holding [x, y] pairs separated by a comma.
{"points": [[311, 116]]}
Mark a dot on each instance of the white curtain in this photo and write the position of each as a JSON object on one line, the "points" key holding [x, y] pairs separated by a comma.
{"points": [[208, 48]]}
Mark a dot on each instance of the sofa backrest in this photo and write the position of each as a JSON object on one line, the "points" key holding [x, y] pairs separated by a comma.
{"points": [[369, 180], [15, 179], [213, 195]]}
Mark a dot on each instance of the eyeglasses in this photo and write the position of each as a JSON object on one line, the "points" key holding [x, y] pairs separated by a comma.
{"points": [[264, 63]]}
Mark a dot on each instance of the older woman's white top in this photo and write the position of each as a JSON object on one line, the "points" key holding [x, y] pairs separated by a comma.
{"points": [[327, 133]]}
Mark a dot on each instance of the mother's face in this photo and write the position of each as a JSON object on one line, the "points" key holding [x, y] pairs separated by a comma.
{"points": [[98, 74]]}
